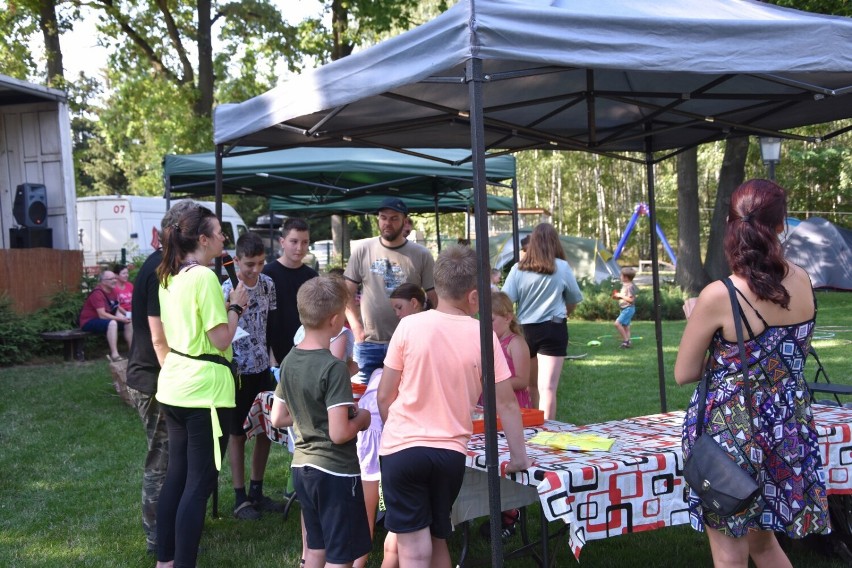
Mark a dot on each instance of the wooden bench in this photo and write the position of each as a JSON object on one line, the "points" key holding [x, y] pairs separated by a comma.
{"points": [[72, 342]]}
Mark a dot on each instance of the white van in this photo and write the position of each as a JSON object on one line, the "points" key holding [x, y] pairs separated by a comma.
{"points": [[107, 224]]}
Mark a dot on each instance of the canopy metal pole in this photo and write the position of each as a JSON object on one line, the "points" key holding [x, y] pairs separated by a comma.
{"points": [[655, 268], [515, 222], [437, 216], [477, 146], [271, 228], [219, 183]]}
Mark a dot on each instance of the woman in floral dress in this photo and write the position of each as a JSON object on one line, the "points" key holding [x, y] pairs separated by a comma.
{"points": [[780, 449]]}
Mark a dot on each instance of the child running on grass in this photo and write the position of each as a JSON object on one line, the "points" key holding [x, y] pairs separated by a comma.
{"points": [[430, 384], [627, 302]]}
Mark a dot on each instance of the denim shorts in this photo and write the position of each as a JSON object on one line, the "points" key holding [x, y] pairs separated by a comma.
{"points": [[626, 315], [100, 326], [369, 356]]}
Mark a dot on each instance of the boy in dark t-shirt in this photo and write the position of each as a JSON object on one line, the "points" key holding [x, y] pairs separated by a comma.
{"points": [[288, 273]]}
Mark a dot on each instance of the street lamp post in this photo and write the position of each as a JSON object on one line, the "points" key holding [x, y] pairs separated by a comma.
{"points": [[770, 153]]}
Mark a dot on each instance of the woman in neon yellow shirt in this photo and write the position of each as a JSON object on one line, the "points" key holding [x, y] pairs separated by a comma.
{"points": [[195, 387]]}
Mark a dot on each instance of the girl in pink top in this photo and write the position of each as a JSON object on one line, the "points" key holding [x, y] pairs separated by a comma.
{"points": [[515, 348]]}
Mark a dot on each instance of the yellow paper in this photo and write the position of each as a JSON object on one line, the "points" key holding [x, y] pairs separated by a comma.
{"points": [[567, 441]]}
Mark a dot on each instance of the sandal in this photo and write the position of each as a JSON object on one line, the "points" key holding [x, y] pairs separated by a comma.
{"points": [[112, 359], [246, 512]]}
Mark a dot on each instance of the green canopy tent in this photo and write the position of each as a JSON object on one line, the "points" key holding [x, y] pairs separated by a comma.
{"points": [[461, 200], [325, 173], [345, 180]]}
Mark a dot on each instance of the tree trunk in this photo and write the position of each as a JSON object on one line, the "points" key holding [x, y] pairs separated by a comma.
{"points": [[339, 25], [50, 30], [731, 175], [340, 49], [204, 102], [689, 274]]}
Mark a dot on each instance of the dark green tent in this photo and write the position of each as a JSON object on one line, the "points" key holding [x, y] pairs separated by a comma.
{"points": [[461, 200], [326, 174]]}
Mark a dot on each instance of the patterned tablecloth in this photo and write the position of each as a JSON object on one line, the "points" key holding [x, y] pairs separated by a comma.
{"points": [[257, 421], [635, 486]]}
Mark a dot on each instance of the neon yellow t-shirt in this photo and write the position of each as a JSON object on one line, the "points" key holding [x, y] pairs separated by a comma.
{"points": [[190, 307]]}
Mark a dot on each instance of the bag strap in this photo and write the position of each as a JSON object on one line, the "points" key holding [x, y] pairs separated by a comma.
{"points": [[702, 389], [209, 357]]}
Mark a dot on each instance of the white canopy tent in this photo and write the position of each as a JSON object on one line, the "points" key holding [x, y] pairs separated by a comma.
{"points": [[600, 76]]}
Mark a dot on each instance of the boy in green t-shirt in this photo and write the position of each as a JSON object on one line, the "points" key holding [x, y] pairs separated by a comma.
{"points": [[326, 421]]}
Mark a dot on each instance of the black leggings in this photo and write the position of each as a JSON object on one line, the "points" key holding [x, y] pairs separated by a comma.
{"points": [[190, 479]]}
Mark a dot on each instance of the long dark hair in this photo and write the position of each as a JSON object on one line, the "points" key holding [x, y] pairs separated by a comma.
{"points": [[758, 208], [543, 250], [181, 238]]}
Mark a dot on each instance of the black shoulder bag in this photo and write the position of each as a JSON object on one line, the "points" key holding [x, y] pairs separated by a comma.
{"points": [[722, 485]]}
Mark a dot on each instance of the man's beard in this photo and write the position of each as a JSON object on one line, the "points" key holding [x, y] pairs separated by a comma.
{"points": [[390, 235]]}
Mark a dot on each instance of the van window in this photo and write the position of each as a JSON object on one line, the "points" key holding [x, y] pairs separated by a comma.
{"points": [[228, 229]]}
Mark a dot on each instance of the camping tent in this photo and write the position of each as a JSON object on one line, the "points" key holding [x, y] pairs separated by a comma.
{"points": [[824, 250], [588, 258], [593, 75]]}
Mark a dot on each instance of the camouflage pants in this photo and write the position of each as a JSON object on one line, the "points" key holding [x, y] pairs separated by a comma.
{"points": [[156, 460]]}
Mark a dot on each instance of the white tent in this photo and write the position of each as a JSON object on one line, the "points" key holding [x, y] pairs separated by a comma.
{"points": [[593, 75], [588, 258]]}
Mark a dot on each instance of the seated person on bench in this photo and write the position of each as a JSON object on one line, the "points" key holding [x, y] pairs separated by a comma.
{"points": [[100, 315]]}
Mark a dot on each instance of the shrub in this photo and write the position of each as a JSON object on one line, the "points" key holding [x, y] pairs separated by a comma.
{"points": [[18, 335], [62, 312], [598, 304]]}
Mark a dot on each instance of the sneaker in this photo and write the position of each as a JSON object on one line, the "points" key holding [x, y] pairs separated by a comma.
{"points": [[509, 519], [268, 505], [625, 345], [115, 359], [245, 511]]}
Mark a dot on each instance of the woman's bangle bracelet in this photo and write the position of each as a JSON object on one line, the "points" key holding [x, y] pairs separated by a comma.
{"points": [[236, 309]]}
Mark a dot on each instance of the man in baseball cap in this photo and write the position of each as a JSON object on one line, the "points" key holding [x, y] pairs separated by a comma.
{"points": [[379, 266], [394, 204]]}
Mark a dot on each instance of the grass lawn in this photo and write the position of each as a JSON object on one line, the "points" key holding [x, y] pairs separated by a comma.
{"points": [[71, 459]]}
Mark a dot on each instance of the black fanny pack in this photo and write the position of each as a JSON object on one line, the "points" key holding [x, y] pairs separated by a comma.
{"points": [[210, 359]]}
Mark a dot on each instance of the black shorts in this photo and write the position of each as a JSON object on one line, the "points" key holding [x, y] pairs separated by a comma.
{"points": [[247, 388], [419, 486], [547, 338], [334, 513]]}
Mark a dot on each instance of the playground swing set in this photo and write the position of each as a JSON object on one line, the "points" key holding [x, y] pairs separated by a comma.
{"points": [[641, 210]]}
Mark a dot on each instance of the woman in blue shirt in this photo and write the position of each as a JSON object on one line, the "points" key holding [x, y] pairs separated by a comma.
{"points": [[546, 292]]}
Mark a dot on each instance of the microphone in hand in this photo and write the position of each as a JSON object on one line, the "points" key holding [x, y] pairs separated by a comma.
{"points": [[228, 263]]}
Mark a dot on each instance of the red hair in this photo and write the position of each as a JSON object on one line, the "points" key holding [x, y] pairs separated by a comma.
{"points": [[758, 207]]}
